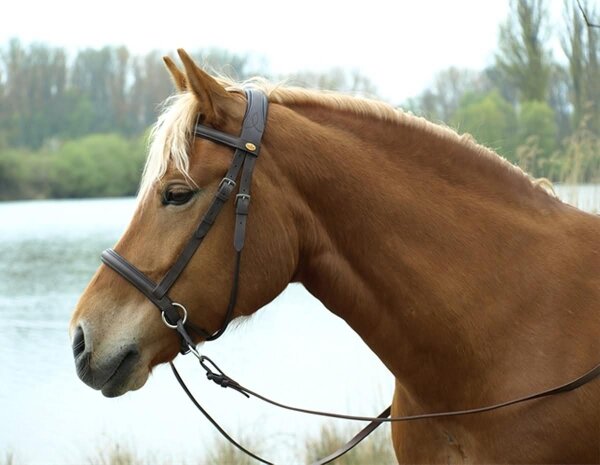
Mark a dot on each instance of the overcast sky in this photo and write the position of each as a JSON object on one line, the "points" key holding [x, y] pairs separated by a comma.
{"points": [[399, 45]]}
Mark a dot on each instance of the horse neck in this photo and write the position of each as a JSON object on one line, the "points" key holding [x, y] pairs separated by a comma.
{"points": [[431, 252]]}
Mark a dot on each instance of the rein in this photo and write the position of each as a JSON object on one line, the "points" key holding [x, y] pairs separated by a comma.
{"points": [[174, 314], [220, 378]]}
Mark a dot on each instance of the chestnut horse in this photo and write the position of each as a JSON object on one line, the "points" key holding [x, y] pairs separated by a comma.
{"points": [[470, 282]]}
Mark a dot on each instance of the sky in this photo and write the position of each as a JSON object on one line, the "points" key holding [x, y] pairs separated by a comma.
{"points": [[399, 45]]}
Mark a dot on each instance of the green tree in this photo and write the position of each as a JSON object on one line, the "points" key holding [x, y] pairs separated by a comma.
{"points": [[440, 101], [582, 49], [23, 174], [33, 90], [559, 99], [522, 59], [579, 160], [537, 132], [151, 84], [490, 119], [93, 80]]}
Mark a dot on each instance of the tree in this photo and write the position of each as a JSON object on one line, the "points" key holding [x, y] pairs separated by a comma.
{"points": [[559, 99], [490, 119], [151, 85], [537, 131], [522, 59], [232, 65], [580, 44], [440, 101], [333, 79]]}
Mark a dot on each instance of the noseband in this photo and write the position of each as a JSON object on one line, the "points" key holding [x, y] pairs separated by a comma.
{"points": [[247, 148], [174, 314]]}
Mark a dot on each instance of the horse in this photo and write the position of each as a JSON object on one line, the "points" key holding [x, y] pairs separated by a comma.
{"points": [[471, 282]]}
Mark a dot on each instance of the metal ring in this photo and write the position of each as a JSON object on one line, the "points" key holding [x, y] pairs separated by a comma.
{"points": [[183, 318]]}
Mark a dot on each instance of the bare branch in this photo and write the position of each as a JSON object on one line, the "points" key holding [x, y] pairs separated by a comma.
{"points": [[585, 17]]}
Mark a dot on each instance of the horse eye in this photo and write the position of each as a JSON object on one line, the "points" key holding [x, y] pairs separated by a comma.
{"points": [[177, 195]]}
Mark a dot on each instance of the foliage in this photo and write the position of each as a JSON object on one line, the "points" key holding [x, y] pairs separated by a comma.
{"points": [[73, 126], [442, 100], [535, 111], [580, 160], [581, 45], [115, 454], [376, 449], [521, 58], [490, 119], [334, 79], [8, 459], [98, 165], [222, 452], [23, 174], [537, 126]]}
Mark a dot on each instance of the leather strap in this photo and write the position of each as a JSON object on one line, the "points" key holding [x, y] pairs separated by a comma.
{"points": [[215, 374], [212, 420], [571, 385], [226, 139], [251, 135], [352, 443], [356, 439]]}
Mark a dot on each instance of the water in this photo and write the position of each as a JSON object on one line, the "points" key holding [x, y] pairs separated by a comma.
{"points": [[293, 350]]}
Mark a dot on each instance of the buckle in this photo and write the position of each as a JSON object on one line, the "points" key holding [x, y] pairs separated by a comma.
{"points": [[242, 204], [225, 189]]}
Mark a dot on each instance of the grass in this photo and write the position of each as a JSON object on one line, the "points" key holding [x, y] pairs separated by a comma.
{"points": [[116, 454], [375, 450], [221, 452], [8, 459]]}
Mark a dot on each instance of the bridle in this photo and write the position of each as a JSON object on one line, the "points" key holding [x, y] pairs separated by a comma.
{"points": [[174, 314], [247, 148]]}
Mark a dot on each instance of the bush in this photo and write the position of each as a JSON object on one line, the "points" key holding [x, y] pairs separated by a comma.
{"points": [[23, 174], [99, 165], [490, 119], [376, 449]]}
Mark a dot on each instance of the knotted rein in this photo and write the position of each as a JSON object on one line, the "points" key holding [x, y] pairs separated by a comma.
{"points": [[174, 314]]}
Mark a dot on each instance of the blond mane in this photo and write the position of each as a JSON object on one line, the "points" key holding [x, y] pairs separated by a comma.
{"points": [[172, 134]]}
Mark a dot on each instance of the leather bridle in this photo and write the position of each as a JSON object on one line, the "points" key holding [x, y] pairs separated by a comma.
{"points": [[247, 148], [174, 314]]}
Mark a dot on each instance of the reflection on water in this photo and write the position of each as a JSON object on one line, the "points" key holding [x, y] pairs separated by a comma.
{"points": [[48, 252]]}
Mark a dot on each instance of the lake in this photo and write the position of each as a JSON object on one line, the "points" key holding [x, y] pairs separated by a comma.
{"points": [[293, 350]]}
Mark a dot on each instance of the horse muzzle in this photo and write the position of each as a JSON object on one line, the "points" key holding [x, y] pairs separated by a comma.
{"points": [[109, 374]]}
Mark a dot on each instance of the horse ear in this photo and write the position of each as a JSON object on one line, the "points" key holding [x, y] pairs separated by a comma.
{"points": [[177, 76], [211, 95]]}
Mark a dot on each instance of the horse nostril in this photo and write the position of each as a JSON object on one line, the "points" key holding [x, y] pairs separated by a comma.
{"points": [[78, 342]]}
